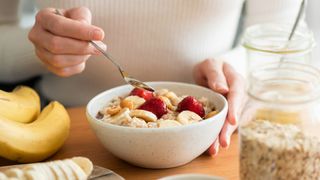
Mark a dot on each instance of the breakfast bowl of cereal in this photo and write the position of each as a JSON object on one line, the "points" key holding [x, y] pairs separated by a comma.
{"points": [[166, 128]]}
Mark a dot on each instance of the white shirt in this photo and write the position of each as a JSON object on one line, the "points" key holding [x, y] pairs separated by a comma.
{"points": [[152, 39]]}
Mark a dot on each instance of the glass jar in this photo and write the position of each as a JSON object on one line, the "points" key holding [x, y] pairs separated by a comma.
{"points": [[280, 126], [267, 43]]}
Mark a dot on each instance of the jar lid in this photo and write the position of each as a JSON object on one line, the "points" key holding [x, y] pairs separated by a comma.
{"points": [[273, 38]]}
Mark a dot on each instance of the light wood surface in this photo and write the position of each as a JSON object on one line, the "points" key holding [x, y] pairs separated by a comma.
{"points": [[83, 142]]}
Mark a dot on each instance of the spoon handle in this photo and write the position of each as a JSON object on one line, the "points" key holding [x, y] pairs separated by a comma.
{"points": [[294, 27], [107, 55], [296, 22]]}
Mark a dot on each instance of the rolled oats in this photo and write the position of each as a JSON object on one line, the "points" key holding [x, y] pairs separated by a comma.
{"points": [[278, 151], [127, 111]]}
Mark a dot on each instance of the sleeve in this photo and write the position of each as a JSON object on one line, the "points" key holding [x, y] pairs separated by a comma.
{"points": [[17, 58], [256, 12]]}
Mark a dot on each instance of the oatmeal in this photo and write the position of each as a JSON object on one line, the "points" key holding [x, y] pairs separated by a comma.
{"points": [[159, 109], [278, 151]]}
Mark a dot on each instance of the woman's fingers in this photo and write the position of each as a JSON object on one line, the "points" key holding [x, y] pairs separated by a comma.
{"points": [[236, 95], [60, 61], [225, 134], [61, 45], [215, 76], [222, 78], [82, 14], [199, 76], [210, 73], [63, 26], [223, 140], [62, 65], [214, 148], [61, 41], [69, 71]]}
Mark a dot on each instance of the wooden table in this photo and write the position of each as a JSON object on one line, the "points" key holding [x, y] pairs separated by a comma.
{"points": [[83, 142]]}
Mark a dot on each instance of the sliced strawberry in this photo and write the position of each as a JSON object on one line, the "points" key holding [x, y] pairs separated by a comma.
{"points": [[156, 106], [191, 104], [141, 93]]}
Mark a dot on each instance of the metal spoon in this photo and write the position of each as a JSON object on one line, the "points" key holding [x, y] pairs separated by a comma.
{"points": [[128, 79], [294, 27]]}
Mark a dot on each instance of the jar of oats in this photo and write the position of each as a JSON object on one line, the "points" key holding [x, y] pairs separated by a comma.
{"points": [[280, 127]]}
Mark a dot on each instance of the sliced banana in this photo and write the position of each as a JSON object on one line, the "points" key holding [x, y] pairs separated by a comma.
{"points": [[188, 117], [14, 173], [132, 102], [57, 171], [146, 115], [3, 176], [66, 170], [170, 115], [168, 103], [77, 171], [119, 118], [138, 123], [84, 163], [47, 170], [207, 105], [78, 168], [173, 98], [36, 168], [161, 92], [126, 104], [137, 101], [34, 175], [41, 168], [168, 123]]}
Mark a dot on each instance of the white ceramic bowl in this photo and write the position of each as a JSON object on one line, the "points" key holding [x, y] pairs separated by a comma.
{"points": [[163, 147]]}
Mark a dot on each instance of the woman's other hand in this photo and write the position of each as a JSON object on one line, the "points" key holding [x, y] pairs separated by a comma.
{"points": [[222, 78]]}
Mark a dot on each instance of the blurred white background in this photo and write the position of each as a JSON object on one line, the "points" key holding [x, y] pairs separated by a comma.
{"points": [[313, 20]]}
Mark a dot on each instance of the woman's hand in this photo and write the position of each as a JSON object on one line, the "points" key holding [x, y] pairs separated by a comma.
{"points": [[61, 42], [222, 78]]}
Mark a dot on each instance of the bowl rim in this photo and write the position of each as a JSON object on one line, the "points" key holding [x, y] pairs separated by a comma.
{"points": [[93, 119]]}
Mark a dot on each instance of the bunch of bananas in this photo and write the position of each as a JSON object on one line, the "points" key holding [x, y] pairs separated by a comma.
{"points": [[26, 134]]}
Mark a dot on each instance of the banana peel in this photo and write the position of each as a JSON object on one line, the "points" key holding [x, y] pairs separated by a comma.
{"points": [[35, 141], [21, 105]]}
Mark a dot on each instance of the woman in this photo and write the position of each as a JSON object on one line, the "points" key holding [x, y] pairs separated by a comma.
{"points": [[169, 40]]}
